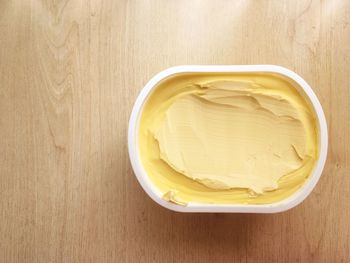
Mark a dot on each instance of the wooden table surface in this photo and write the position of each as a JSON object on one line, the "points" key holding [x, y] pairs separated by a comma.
{"points": [[70, 72]]}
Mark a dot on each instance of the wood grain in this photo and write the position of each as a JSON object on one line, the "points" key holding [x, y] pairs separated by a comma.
{"points": [[70, 72]]}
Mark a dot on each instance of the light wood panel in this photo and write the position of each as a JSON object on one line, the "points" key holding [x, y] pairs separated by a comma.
{"points": [[70, 72]]}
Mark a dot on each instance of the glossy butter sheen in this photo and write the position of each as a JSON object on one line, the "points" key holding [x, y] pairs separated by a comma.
{"points": [[225, 138]]}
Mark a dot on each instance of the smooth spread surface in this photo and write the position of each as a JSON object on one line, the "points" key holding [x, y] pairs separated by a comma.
{"points": [[240, 137]]}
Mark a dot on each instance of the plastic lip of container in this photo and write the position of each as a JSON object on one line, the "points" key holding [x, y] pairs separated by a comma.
{"points": [[280, 206]]}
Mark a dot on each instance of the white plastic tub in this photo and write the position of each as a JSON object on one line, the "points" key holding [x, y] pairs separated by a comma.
{"points": [[283, 205]]}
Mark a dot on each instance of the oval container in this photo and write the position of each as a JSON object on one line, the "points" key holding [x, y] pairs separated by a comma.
{"points": [[280, 206]]}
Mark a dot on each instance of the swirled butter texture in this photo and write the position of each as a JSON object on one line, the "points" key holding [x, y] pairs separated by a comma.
{"points": [[227, 138]]}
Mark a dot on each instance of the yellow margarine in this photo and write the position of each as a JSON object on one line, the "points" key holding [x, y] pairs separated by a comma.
{"points": [[225, 138]]}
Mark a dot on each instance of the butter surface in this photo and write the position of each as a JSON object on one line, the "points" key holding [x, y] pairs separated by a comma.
{"points": [[227, 138]]}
